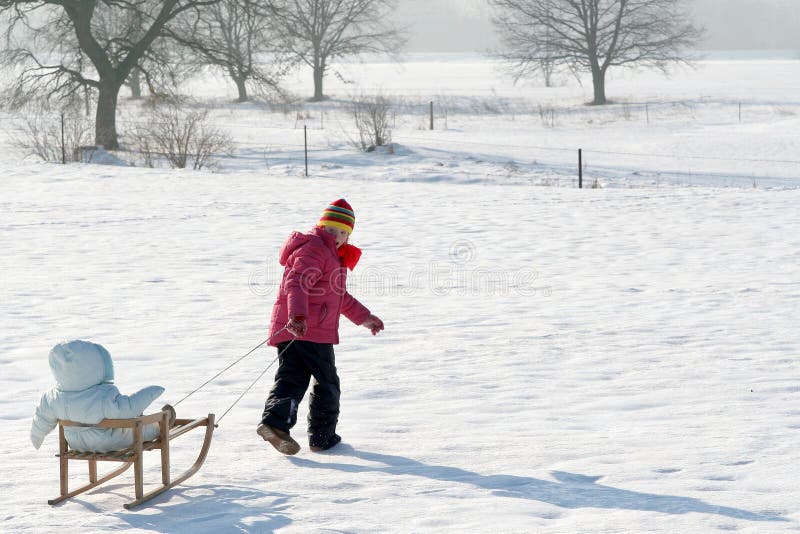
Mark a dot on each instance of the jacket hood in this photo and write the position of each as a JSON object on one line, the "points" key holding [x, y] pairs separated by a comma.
{"points": [[298, 239], [77, 365]]}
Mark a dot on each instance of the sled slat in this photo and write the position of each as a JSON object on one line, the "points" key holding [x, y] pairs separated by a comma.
{"points": [[133, 455]]}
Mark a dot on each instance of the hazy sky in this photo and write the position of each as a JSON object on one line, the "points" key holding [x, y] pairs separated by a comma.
{"points": [[464, 25]]}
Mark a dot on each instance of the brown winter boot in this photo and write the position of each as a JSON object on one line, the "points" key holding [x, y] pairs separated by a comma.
{"points": [[280, 439]]}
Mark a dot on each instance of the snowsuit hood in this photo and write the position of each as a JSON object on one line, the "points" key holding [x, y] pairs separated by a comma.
{"points": [[78, 365]]}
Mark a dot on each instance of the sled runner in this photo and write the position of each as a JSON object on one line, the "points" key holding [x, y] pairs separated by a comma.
{"points": [[133, 455]]}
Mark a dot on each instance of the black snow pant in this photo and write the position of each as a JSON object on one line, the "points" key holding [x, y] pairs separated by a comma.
{"points": [[298, 363]]}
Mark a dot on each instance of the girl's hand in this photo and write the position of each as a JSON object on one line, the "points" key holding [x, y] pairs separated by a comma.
{"points": [[297, 326], [374, 324]]}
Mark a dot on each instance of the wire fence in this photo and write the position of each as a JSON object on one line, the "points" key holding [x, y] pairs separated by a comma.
{"points": [[286, 142]]}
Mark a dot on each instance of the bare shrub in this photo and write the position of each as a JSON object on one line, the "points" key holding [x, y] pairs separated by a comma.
{"points": [[303, 118], [279, 101], [156, 101], [627, 110], [372, 121], [42, 136], [547, 114], [181, 138], [141, 141]]}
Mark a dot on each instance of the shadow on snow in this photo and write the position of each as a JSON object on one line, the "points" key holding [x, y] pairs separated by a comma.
{"points": [[570, 491], [208, 508]]}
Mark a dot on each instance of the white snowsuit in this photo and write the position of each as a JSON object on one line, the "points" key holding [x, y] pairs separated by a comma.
{"points": [[85, 393]]}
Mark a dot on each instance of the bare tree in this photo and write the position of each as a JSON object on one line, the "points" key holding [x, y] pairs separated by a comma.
{"points": [[317, 31], [235, 36], [161, 67], [593, 35], [103, 59]]}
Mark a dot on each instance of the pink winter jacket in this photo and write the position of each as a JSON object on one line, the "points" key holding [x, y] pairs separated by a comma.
{"points": [[313, 285]]}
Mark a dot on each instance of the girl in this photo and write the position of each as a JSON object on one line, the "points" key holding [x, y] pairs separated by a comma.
{"points": [[305, 326]]}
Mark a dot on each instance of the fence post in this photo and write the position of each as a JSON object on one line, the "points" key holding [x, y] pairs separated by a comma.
{"points": [[431, 114], [305, 143], [580, 168], [63, 146]]}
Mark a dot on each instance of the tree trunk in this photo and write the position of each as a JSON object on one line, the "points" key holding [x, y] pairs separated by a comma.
{"points": [[105, 132], [547, 69], [319, 73], [135, 81], [599, 83], [242, 88]]}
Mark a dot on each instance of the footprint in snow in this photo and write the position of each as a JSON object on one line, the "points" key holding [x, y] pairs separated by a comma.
{"points": [[573, 478]]}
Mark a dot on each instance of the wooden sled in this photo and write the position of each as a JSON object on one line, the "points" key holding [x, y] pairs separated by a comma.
{"points": [[133, 455]]}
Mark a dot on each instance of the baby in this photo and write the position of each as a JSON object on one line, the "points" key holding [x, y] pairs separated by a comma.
{"points": [[85, 393]]}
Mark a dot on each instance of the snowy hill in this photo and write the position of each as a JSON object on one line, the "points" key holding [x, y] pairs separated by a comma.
{"points": [[554, 360]]}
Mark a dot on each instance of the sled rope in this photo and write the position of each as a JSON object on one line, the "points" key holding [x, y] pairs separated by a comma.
{"points": [[254, 382], [201, 386]]}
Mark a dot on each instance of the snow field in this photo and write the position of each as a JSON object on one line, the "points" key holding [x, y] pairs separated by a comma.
{"points": [[555, 360]]}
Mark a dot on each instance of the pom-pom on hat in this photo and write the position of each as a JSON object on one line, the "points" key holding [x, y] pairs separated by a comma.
{"points": [[339, 214]]}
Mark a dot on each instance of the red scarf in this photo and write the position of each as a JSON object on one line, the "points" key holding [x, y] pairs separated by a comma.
{"points": [[350, 255]]}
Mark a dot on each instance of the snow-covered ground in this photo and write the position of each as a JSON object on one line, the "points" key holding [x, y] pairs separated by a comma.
{"points": [[555, 359]]}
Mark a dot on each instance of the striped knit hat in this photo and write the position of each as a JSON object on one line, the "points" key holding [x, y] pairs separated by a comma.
{"points": [[339, 214]]}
